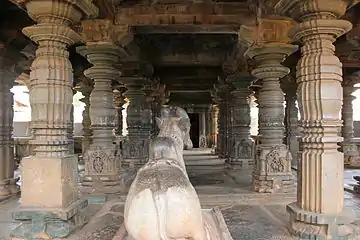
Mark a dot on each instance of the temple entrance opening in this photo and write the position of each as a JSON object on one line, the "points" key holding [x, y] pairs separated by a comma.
{"points": [[194, 131]]}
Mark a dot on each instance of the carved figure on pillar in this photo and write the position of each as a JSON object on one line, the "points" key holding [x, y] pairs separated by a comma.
{"points": [[272, 172], [102, 169], [49, 199], [241, 150], [135, 148], [349, 147], [318, 212]]}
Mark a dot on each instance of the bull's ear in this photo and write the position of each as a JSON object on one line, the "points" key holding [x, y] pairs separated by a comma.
{"points": [[158, 121]]}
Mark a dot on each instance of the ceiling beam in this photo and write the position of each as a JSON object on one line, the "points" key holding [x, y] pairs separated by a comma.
{"points": [[186, 29], [221, 13]]}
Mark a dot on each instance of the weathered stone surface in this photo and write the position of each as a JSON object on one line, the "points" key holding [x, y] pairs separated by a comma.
{"points": [[50, 175], [7, 160], [241, 145], [101, 162], [139, 117], [272, 170], [350, 150], [320, 188]]}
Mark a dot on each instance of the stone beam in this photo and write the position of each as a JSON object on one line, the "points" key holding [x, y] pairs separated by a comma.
{"points": [[185, 13], [200, 59], [187, 29], [103, 31], [189, 88]]}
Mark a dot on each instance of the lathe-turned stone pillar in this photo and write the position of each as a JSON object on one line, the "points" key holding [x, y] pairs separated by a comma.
{"points": [[349, 147], [101, 164], [49, 195], [202, 125], [86, 88], [214, 130], [136, 146], [119, 101], [272, 171], [7, 160], [318, 212], [71, 127], [241, 150], [292, 124], [222, 97], [222, 137]]}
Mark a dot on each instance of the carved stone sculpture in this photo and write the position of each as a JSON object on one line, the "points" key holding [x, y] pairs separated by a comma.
{"points": [[162, 188], [162, 203]]}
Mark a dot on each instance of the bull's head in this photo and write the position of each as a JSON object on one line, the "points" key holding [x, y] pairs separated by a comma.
{"points": [[184, 123]]}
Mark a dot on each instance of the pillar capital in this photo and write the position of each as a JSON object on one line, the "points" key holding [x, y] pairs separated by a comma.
{"points": [[100, 31], [65, 12], [267, 59], [313, 9]]}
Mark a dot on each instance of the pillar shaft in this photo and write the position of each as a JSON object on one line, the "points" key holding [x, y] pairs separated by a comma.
{"points": [[7, 160], [86, 122], [49, 178], [202, 124], [71, 127], [292, 125], [241, 150], [272, 171], [317, 214], [119, 101], [222, 133], [101, 165], [138, 121], [350, 149]]}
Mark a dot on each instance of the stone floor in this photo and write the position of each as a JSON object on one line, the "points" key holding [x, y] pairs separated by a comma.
{"points": [[248, 215]]}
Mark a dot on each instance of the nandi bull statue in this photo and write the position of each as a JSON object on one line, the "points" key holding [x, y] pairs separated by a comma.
{"points": [[161, 203]]}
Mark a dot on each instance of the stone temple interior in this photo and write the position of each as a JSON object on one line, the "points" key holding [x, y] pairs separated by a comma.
{"points": [[287, 170]]}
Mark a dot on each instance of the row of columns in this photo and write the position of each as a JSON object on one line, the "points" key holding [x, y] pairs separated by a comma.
{"points": [[319, 206]]}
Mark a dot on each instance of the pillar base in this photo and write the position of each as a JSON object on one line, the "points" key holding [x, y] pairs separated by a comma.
{"points": [[272, 172], [317, 226], [136, 151], [4, 190], [242, 154], [39, 223], [351, 154], [101, 171], [49, 182], [13, 187]]}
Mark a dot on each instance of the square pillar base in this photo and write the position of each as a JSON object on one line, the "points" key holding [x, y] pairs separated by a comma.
{"points": [[272, 171], [317, 226], [49, 183], [5, 192], [101, 171], [38, 223], [136, 151]]}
